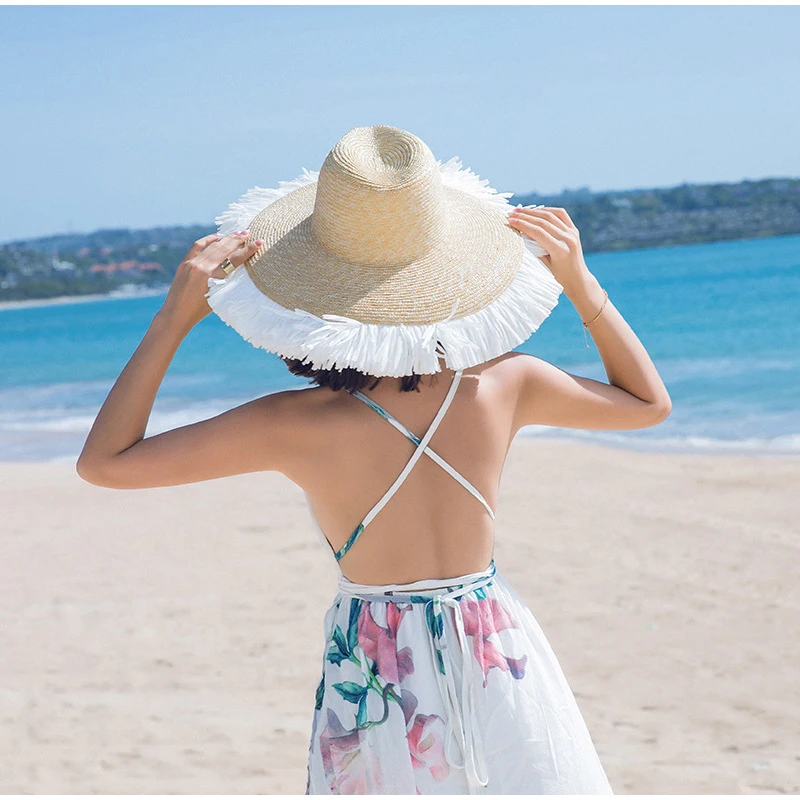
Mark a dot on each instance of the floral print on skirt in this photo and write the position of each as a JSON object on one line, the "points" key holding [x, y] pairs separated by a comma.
{"points": [[444, 687]]}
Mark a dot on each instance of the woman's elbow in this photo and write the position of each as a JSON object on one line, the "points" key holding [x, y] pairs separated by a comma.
{"points": [[646, 416], [85, 469], [93, 471], [661, 411]]}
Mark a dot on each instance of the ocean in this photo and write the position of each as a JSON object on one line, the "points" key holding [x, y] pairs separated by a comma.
{"points": [[719, 320]]}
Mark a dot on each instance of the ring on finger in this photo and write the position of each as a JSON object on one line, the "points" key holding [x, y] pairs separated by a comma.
{"points": [[227, 266]]}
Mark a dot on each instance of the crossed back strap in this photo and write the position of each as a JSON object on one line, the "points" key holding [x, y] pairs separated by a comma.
{"points": [[422, 448]]}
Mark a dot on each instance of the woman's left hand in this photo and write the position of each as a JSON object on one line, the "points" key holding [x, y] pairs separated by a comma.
{"points": [[251, 437], [186, 303]]}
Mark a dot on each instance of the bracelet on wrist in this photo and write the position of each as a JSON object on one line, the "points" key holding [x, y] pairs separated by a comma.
{"points": [[587, 324]]}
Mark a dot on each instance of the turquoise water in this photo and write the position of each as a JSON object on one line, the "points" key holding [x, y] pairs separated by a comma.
{"points": [[720, 322]]}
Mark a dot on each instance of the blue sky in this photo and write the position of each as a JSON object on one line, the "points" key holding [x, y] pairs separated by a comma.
{"points": [[137, 116]]}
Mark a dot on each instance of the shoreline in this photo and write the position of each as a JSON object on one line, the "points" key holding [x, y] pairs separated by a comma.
{"points": [[709, 447], [70, 299]]}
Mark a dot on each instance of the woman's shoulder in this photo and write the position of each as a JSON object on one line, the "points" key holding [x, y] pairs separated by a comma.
{"points": [[296, 420], [509, 368], [298, 401], [308, 409]]}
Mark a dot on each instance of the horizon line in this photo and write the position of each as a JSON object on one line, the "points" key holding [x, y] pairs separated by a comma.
{"points": [[564, 191]]}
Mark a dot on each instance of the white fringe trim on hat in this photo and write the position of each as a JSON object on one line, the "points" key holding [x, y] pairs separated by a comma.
{"points": [[239, 215], [384, 350]]}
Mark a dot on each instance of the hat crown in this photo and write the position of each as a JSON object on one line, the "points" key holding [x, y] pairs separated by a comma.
{"points": [[380, 198]]}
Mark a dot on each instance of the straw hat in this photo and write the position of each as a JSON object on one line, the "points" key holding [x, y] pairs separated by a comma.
{"points": [[379, 257]]}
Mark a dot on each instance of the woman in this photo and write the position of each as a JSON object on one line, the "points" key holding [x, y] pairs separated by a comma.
{"points": [[399, 285]]}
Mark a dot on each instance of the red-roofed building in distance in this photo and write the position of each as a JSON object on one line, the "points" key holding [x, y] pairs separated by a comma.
{"points": [[123, 266]]}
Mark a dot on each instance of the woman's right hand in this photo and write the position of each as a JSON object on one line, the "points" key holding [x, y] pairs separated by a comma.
{"points": [[635, 396], [552, 229]]}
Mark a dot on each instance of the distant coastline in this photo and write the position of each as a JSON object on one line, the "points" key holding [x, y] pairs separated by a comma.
{"points": [[69, 299], [103, 261]]}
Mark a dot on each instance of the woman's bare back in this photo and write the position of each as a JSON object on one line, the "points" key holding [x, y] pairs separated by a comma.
{"points": [[432, 527]]}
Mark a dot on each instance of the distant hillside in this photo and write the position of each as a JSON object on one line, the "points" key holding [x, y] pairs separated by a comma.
{"points": [[684, 214], [94, 263], [106, 260]]}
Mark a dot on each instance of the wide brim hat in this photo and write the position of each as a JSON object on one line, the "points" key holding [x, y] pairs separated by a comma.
{"points": [[384, 261]]}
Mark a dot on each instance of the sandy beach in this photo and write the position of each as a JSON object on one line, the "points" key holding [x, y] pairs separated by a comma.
{"points": [[170, 640]]}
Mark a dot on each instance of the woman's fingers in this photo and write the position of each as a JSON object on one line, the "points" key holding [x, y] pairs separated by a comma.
{"points": [[217, 251], [201, 244], [550, 214], [538, 227], [555, 232], [207, 254], [535, 230], [238, 257], [562, 214]]}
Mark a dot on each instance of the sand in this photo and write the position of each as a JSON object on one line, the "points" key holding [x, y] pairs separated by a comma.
{"points": [[170, 640]]}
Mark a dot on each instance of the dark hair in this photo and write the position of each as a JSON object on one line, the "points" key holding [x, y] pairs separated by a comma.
{"points": [[349, 379]]}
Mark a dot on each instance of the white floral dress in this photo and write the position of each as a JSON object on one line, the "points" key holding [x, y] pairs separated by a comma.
{"points": [[443, 686]]}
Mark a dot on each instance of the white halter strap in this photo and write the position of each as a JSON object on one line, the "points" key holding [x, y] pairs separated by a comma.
{"points": [[435, 457], [422, 447]]}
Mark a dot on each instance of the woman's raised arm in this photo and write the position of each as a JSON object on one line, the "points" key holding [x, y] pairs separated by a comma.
{"points": [[117, 455], [635, 396]]}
